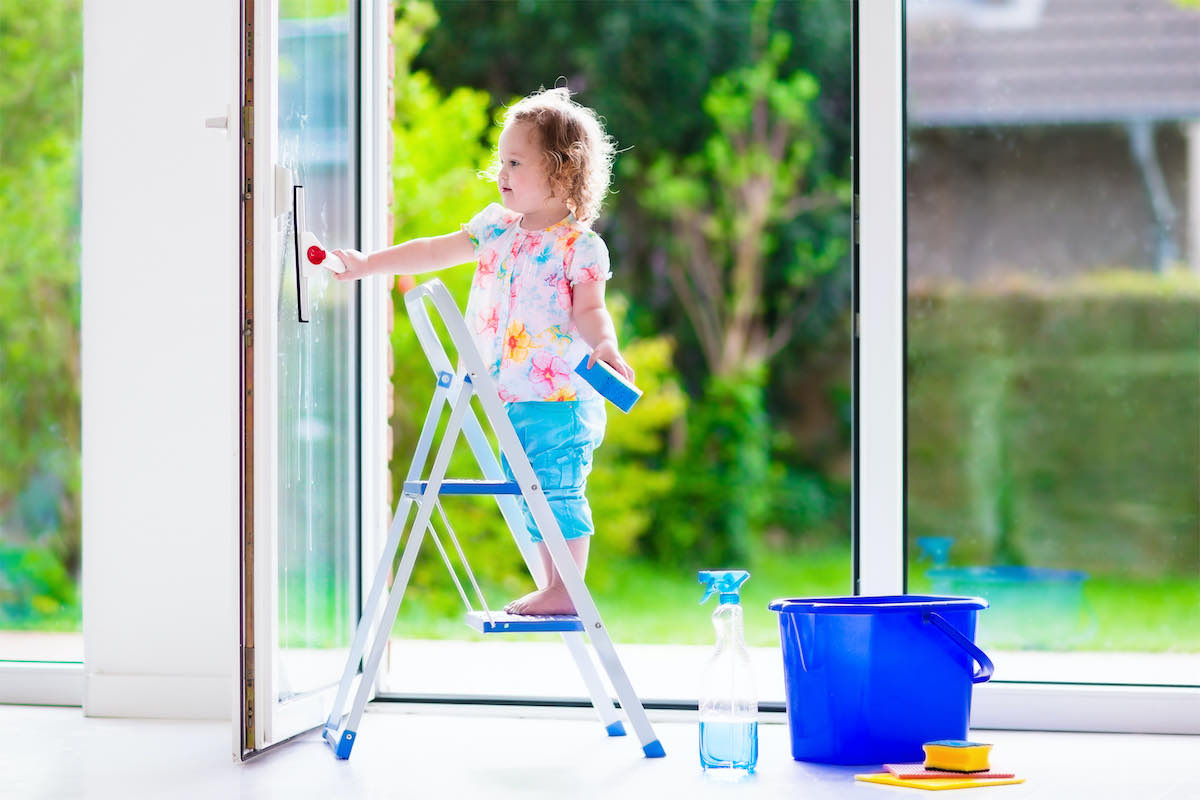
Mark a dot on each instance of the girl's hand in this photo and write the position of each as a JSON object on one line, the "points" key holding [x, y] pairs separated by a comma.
{"points": [[356, 265], [607, 352]]}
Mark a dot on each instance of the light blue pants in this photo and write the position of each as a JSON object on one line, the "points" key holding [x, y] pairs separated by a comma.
{"points": [[559, 437]]}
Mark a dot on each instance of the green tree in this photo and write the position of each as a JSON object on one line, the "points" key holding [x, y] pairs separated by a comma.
{"points": [[647, 68], [725, 204], [39, 302]]}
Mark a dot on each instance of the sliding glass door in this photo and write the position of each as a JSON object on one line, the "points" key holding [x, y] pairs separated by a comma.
{"points": [[1053, 323]]}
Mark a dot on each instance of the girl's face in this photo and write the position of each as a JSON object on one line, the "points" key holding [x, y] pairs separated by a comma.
{"points": [[522, 178]]}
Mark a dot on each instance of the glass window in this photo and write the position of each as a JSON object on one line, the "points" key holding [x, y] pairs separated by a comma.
{"points": [[317, 367], [40, 101], [738, 454], [1053, 324]]}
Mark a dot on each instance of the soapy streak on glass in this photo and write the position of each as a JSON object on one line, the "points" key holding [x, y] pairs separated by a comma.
{"points": [[317, 361]]}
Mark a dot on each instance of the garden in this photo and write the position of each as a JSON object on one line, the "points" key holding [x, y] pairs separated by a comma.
{"points": [[1051, 425]]}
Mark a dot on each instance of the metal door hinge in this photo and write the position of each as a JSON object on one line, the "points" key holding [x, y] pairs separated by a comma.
{"points": [[854, 213]]}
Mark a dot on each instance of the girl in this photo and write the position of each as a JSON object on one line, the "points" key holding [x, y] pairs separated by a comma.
{"points": [[537, 304]]}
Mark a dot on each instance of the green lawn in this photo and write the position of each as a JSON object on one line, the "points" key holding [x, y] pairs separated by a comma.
{"points": [[644, 603], [647, 603]]}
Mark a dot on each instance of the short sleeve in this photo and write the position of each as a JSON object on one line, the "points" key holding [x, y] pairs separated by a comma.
{"points": [[589, 261], [486, 225]]}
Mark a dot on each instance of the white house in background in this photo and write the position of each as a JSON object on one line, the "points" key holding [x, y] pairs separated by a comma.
{"points": [[1052, 136]]}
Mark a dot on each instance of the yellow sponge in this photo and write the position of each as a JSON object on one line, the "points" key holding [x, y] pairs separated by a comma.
{"points": [[954, 755]]}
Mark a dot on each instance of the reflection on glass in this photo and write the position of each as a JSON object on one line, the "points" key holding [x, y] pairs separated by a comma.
{"points": [[318, 363], [1053, 325]]}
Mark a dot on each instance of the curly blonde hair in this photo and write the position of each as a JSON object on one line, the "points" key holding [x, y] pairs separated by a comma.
{"points": [[578, 153]]}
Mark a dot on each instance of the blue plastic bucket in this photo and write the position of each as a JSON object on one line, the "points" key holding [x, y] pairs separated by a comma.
{"points": [[871, 679]]}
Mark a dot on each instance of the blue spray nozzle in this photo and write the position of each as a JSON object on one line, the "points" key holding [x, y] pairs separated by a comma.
{"points": [[728, 582]]}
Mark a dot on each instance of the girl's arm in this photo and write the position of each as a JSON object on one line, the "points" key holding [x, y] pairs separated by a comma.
{"points": [[591, 317], [416, 255]]}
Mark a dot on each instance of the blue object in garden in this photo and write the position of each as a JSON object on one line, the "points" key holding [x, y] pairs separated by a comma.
{"points": [[1019, 595], [605, 380], [871, 679], [935, 549]]}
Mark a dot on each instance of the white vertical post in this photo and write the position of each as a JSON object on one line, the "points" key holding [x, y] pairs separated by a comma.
{"points": [[374, 306], [269, 220], [880, 326], [160, 432], [1192, 130]]}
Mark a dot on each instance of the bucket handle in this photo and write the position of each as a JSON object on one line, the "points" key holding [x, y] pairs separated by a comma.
{"points": [[986, 667]]}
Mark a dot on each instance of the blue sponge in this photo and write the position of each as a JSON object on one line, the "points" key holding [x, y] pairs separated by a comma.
{"points": [[605, 380]]}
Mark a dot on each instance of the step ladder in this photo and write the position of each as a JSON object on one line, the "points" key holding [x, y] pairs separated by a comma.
{"points": [[454, 390]]}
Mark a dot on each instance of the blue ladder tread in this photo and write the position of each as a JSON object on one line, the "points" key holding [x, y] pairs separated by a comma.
{"points": [[464, 486], [519, 623]]}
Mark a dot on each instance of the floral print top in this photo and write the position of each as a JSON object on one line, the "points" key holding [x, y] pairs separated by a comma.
{"points": [[519, 307]]}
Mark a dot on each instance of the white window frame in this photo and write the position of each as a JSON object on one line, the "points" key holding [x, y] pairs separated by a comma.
{"points": [[376, 312], [879, 373], [41, 683]]}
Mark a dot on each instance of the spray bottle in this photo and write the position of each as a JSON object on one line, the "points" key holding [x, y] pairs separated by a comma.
{"points": [[728, 701]]}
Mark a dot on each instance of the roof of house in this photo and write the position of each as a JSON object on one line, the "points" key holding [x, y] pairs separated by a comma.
{"points": [[1020, 62]]}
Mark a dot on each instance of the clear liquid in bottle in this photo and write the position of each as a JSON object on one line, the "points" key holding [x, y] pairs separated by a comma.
{"points": [[729, 745]]}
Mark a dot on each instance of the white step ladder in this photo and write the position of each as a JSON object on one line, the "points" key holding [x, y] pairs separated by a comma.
{"points": [[455, 389]]}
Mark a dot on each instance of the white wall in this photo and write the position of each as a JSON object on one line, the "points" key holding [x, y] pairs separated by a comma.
{"points": [[160, 299]]}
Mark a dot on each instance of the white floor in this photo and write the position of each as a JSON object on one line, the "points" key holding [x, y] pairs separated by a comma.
{"points": [[58, 753]]}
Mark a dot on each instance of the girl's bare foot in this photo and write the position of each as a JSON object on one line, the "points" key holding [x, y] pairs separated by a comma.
{"points": [[553, 598], [544, 602]]}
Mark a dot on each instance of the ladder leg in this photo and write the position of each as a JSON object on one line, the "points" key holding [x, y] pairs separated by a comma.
{"points": [[629, 699], [568, 571], [370, 610], [344, 739], [515, 519], [585, 607], [609, 717]]}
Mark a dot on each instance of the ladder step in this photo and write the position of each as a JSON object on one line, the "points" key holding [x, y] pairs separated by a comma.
{"points": [[468, 486], [518, 623]]}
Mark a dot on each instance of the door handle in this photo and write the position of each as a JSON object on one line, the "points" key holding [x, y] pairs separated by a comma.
{"points": [[298, 227], [218, 123]]}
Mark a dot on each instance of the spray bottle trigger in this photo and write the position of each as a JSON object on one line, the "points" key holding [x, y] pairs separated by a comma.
{"points": [[726, 581]]}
